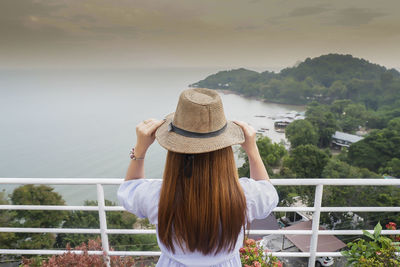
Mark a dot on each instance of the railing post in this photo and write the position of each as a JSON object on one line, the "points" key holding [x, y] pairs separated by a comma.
{"points": [[103, 223], [315, 224]]}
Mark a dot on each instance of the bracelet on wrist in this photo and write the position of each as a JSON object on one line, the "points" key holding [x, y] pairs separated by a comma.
{"points": [[132, 155]]}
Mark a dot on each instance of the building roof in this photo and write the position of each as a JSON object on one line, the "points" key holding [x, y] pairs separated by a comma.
{"points": [[347, 137], [326, 243], [269, 223]]}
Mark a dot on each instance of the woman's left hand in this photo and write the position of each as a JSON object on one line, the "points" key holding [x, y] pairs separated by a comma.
{"points": [[145, 132]]}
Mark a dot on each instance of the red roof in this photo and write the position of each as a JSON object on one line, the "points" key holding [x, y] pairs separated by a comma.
{"points": [[326, 243]]}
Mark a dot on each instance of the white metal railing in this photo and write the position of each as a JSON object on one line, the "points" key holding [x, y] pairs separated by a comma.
{"points": [[104, 231]]}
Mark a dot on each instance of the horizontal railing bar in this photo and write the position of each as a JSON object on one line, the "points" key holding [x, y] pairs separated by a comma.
{"points": [[277, 209], [117, 181], [45, 252], [147, 253], [153, 231], [320, 232], [340, 181], [131, 231], [356, 232], [290, 254], [290, 209], [47, 207], [55, 207], [134, 253], [360, 209], [63, 181], [254, 232], [49, 230]]}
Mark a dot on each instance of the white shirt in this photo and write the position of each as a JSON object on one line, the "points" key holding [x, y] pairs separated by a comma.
{"points": [[141, 197]]}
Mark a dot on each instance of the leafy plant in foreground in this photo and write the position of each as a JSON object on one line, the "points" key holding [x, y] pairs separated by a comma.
{"points": [[379, 251]]}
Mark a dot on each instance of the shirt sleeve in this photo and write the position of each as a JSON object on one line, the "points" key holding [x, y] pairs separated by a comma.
{"points": [[140, 197], [261, 197]]}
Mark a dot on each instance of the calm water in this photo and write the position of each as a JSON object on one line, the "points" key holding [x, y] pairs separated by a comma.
{"points": [[70, 123]]}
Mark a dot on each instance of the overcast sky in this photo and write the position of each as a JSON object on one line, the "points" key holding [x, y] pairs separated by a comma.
{"points": [[195, 33]]}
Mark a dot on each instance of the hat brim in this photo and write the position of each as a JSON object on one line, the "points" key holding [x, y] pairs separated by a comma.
{"points": [[172, 141]]}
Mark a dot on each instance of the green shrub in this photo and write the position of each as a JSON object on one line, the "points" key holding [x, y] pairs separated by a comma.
{"points": [[379, 251]]}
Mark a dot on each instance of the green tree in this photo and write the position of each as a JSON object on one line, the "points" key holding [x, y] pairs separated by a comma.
{"points": [[307, 161], [6, 220], [392, 168], [339, 169], [301, 132], [378, 148], [323, 121], [354, 115], [338, 106], [115, 220], [337, 90], [271, 155], [37, 195], [394, 124]]}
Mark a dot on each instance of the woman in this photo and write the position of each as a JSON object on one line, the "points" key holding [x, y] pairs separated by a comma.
{"points": [[200, 207]]}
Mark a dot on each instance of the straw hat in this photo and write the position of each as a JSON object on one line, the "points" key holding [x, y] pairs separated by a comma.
{"points": [[198, 124]]}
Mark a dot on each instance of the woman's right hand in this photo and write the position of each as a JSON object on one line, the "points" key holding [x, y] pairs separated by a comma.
{"points": [[249, 145], [145, 133], [257, 168]]}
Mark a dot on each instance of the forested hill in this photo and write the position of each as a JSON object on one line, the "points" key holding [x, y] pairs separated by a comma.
{"points": [[324, 79], [329, 68]]}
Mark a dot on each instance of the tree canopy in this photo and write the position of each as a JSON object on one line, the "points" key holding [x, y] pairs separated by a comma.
{"points": [[36, 195], [377, 149], [301, 132], [271, 154], [307, 161]]}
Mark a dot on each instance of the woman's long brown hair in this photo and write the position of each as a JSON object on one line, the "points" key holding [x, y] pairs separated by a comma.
{"points": [[205, 211]]}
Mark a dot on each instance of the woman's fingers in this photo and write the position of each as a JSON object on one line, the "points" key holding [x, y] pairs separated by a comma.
{"points": [[153, 125], [145, 133], [247, 129], [148, 127], [249, 143]]}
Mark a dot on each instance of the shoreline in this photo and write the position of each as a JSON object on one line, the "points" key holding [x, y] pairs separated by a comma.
{"points": [[227, 92]]}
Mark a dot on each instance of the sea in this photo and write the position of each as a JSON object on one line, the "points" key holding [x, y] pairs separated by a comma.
{"points": [[80, 123]]}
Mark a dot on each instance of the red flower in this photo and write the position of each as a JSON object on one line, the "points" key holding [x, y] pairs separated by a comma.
{"points": [[250, 242], [391, 226], [256, 264]]}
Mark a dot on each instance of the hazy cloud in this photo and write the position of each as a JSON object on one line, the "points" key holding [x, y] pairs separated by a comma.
{"points": [[307, 11], [21, 21], [194, 33], [355, 16]]}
